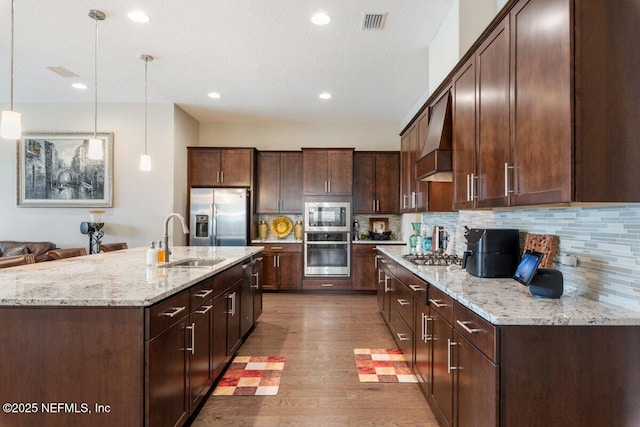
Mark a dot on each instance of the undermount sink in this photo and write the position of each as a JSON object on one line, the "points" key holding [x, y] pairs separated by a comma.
{"points": [[196, 262]]}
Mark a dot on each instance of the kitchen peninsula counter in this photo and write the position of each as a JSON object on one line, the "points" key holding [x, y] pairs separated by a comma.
{"points": [[507, 302], [118, 278]]}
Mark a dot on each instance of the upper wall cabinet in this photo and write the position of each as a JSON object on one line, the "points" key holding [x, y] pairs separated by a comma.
{"points": [[328, 172], [279, 183], [541, 107], [376, 180], [220, 167]]}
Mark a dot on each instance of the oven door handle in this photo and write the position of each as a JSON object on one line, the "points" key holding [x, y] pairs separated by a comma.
{"points": [[331, 242]]}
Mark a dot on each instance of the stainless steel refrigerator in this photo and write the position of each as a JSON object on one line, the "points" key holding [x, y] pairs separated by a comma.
{"points": [[219, 217]]}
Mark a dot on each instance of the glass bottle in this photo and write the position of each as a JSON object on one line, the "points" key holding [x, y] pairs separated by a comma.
{"points": [[152, 254], [263, 230], [413, 240], [161, 253]]}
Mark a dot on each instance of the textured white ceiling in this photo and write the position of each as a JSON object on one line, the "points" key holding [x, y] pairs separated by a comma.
{"points": [[264, 56]]}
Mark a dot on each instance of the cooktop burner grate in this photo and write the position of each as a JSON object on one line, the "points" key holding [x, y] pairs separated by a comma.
{"points": [[433, 259]]}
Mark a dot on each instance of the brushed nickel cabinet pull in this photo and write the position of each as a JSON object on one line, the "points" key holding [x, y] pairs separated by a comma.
{"points": [[203, 293], [192, 349], [449, 345], [173, 313], [466, 328], [204, 310], [437, 303], [402, 337]]}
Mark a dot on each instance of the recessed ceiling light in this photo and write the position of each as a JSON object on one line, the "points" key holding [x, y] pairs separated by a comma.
{"points": [[214, 95], [321, 18], [324, 95], [79, 86], [138, 16]]}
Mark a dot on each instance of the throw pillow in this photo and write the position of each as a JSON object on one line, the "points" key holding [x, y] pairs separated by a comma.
{"points": [[17, 250]]}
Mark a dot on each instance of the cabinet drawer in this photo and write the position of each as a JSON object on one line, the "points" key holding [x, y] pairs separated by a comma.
{"points": [[403, 302], [403, 336], [388, 264], [227, 278], [201, 293], [166, 313], [478, 331], [328, 284], [285, 247], [441, 303], [361, 248]]}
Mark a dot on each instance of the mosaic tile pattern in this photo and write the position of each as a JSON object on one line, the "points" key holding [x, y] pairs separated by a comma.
{"points": [[251, 376], [379, 365], [605, 239]]}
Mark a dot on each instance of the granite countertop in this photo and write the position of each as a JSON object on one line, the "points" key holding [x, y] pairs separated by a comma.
{"points": [[118, 278], [507, 302]]}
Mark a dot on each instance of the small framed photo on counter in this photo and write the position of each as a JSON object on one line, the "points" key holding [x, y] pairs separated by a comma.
{"points": [[378, 225]]}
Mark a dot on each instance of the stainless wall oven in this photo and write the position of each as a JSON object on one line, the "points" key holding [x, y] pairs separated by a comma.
{"points": [[327, 254]]}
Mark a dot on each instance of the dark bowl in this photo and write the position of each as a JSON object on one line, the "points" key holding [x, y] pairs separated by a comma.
{"points": [[380, 236]]}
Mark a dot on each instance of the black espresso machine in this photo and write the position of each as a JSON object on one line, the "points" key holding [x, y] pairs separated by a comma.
{"points": [[491, 252]]}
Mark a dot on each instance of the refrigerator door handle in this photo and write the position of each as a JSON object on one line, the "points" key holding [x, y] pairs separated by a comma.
{"points": [[214, 225]]}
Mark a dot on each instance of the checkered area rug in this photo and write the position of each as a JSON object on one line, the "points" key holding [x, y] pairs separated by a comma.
{"points": [[383, 366], [251, 376]]}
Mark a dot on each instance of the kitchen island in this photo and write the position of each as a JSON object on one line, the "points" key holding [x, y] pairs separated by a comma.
{"points": [[488, 353], [105, 340]]}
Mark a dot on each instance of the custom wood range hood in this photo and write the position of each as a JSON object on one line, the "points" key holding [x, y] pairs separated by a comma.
{"points": [[434, 163]]}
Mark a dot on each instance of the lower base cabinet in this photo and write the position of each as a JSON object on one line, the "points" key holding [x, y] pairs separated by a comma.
{"points": [[476, 374], [167, 377], [363, 269]]}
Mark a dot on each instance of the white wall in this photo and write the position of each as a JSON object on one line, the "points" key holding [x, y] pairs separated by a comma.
{"points": [[444, 50], [186, 133], [295, 135], [141, 200], [475, 16]]}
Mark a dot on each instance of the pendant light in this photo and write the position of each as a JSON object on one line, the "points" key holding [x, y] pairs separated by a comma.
{"points": [[10, 126], [145, 159], [95, 144]]}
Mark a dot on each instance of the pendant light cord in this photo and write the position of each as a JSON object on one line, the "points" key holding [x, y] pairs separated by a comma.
{"points": [[95, 83], [146, 62], [13, 5]]}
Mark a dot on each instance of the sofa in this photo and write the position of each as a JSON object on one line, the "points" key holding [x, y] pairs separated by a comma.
{"points": [[39, 250]]}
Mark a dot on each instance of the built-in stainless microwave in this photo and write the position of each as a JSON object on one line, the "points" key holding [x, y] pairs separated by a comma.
{"points": [[327, 216]]}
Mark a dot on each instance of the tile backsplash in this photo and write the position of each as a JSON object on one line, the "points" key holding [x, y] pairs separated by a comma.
{"points": [[605, 239]]}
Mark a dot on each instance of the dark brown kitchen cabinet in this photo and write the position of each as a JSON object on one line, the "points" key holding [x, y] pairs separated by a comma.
{"points": [[258, 273], [464, 135], [423, 342], [234, 339], [542, 102], [200, 352], [386, 286], [476, 383], [279, 182], [493, 152], [220, 167], [364, 271], [376, 179], [247, 294], [282, 267], [167, 362], [327, 172]]}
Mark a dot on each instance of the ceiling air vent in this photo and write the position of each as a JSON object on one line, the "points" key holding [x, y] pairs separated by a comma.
{"points": [[62, 72], [373, 21]]}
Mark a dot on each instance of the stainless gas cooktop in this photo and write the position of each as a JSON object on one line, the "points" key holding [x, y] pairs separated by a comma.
{"points": [[433, 259]]}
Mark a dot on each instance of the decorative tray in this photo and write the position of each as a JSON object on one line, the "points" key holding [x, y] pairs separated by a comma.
{"points": [[281, 226]]}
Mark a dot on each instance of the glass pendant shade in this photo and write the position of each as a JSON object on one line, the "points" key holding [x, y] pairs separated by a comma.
{"points": [[95, 149], [145, 163], [10, 126]]}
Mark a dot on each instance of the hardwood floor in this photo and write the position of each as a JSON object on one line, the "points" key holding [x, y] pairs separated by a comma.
{"points": [[317, 334]]}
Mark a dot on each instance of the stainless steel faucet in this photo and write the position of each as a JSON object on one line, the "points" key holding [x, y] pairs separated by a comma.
{"points": [[185, 230]]}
